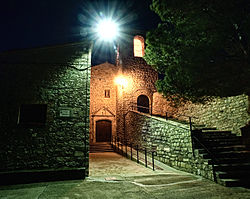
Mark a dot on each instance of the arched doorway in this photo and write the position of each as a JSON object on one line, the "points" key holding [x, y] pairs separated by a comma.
{"points": [[103, 131], [143, 104]]}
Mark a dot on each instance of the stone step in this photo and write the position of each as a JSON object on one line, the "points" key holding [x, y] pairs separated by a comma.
{"points": [[210, 144], [101, 150], [239, 147], [232, 167], [223, 149], [100, 147], [244, 182], [209, 129], [240, 174], [222, 139], [217, 135], [227, 154], [229, 182], [99, 143], [230, 160]]}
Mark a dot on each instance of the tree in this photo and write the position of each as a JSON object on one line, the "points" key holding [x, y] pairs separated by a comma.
{"points": [[201, 47]]}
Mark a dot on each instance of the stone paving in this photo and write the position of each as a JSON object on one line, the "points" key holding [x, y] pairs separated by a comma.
{"points": [[113, 176]]}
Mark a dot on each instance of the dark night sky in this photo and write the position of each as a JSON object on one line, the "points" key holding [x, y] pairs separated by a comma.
{"points": [[27, 24]]}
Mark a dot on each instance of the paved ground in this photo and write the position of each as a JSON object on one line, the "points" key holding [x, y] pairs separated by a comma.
{"points": [[112, 176]]}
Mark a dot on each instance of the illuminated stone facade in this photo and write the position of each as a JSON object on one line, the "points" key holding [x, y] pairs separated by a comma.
{"points": [[103, 96], [138, 78], [229, 113]]}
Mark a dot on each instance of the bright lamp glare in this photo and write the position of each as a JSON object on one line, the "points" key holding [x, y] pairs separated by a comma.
{"points": [[107, 29], [122, 81]]}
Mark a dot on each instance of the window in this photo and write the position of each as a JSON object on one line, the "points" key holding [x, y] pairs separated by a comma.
{"points": [[138, 46], [32, 114], [107, 93]]}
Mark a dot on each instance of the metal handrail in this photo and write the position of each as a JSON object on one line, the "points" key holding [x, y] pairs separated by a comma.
{"points": [[117, 144], [135, 105], [193, 137], [214, 159]]}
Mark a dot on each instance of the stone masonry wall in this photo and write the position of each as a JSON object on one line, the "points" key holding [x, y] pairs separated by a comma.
{"points": [[57, 77], [141, 78], [229, 113], [101, 107], [171, 139]]}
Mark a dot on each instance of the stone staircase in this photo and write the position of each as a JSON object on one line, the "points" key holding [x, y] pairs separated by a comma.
{"points": [[229, 157], [100, 147]]}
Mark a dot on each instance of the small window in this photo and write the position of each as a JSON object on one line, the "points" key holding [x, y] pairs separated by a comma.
{"points": [[107, 93], [138, 46], [32, 114]]}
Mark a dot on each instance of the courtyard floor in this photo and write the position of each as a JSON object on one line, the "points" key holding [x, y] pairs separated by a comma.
{"points": [[113, 176]]}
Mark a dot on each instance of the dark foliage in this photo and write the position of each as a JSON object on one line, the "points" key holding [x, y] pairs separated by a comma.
{"points": [[202, 48]]}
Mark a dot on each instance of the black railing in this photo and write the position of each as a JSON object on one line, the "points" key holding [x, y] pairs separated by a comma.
{"points": [[135, 151], [198, 141], [194, 139], [142, 109]]}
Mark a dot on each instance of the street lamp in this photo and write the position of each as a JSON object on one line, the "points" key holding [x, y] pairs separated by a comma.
{"points": [[107, 29]]}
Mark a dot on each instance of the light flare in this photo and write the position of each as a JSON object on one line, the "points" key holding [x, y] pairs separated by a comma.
{"points": [[107, 29], [121, 81]]}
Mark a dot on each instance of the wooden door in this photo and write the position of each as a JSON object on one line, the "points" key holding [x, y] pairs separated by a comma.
{"points": [[103, 131]]}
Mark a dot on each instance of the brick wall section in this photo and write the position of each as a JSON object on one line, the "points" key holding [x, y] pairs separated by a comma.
{"points": [[229, 113], [46, 76], [172, 139]]}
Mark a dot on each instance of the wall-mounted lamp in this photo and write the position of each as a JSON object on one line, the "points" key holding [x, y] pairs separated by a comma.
{"points": [[121, 81]]}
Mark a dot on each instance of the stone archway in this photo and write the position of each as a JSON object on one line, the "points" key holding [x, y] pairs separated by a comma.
{"points": [[103, 130], [143, 104]]}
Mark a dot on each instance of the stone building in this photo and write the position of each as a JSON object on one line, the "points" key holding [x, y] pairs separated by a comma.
{"points": [[103, 97], [124, 104], [53, 104], [117, 89], [130, 85], [44, 113]]}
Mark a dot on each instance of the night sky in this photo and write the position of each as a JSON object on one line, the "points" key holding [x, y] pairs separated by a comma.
{"points": [[28, 24]]}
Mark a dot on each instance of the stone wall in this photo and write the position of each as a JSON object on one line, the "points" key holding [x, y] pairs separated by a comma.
{"points": [[229, 113], [171, 139], [102, 107], [58, 77], [141, 78]]}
